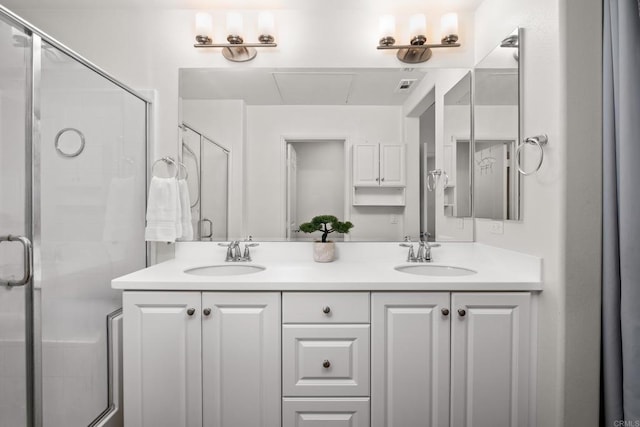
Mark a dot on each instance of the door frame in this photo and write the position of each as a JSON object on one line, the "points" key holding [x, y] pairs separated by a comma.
{"points": [[289, 138]]}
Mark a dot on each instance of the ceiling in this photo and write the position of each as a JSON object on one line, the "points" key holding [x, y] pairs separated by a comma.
{"points": [[291, 86], [458, 5]]}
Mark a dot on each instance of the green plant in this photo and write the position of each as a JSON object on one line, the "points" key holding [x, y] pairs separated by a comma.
{"points": [[319, 223]]}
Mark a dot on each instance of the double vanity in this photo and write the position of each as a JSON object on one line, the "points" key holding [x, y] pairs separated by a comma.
{"points": [[368, 340]]}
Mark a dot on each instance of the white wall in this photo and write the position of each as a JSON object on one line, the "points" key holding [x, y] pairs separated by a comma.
{"points": [[267, 129], [560, 77]]}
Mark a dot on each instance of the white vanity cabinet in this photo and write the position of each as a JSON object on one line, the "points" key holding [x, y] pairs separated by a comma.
{"points": [[410, 359], [464, 354], [490, 364], [209, 359], [162, 368], [325, 359], [305, 358], [379, 165]]}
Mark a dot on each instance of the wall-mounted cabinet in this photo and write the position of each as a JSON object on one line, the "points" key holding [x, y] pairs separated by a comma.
{"points": [[379, 175]]}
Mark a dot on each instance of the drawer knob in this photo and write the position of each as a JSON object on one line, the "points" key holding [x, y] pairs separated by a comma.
{"points": [[326, 309], [191, 311], [445, 311], [206, 311], [326, 364], [462, 312]]}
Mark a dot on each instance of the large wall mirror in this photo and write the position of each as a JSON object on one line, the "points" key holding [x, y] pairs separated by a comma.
{"points": [[497, 132], [268, 149]]}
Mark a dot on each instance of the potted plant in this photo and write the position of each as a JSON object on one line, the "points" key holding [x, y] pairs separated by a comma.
{"points": [[324, 251]]}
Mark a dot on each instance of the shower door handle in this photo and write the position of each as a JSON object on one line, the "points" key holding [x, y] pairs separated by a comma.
{"points": [[28, 260], [206, 236]]}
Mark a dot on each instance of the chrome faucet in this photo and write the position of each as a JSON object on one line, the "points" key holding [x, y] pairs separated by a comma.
{"points": [[234, 254], [424, 251]]}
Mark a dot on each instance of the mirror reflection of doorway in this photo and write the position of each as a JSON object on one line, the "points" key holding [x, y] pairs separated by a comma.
{"points": [[496, 179], [315, 183]]}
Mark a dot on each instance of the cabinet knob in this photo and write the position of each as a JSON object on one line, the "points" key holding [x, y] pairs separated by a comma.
{"points": [[326, 309], [326, 364], [445, 311], [206, 311], [377, 179], [462, 312], [191, 311], [382, 179]]}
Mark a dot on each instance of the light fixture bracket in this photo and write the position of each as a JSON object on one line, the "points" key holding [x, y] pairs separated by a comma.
{"points": [[415, 54], [236, 50]]}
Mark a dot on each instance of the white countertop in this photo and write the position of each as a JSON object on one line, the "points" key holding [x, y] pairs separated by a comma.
{"points": [[361, 266]]}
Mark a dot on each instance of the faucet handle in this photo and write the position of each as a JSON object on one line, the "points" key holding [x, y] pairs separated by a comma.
{"points": [[406, 245], [247, 255], [407, 238], [226, 245]]}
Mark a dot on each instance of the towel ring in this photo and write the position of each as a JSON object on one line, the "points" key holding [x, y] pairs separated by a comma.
{"points": [[538, 141], [72, 154], [186, 171], [168, 161]]}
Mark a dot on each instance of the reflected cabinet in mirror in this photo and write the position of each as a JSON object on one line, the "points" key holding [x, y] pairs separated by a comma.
{"points": [[497, 132]]}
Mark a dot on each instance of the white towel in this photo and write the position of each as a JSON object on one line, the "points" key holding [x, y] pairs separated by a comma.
{"points": [[163, 211], [185, 210]]}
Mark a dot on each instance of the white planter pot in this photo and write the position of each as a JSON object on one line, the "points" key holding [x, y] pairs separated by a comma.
{"points": [[324, 252]]}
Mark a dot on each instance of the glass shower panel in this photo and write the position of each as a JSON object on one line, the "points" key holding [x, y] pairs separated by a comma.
{"points": [[191, 160], [92, 196], [214, 195], [15, 50]]}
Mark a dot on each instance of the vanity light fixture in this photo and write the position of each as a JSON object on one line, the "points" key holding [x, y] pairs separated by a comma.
{"points": [[236, 50], [418, 50]]}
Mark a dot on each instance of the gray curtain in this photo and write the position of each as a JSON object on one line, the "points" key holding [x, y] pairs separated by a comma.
{"points": [[621, 212]]}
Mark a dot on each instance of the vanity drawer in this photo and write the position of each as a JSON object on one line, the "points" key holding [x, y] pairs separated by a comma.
{"points": [[325, 360], [333, 412], [325, 307]]}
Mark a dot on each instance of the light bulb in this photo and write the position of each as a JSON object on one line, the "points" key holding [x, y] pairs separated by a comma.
{"points": [[449, 26], [266, 23], [234, 24], [417, 25], [387, 26], [204, 26]]}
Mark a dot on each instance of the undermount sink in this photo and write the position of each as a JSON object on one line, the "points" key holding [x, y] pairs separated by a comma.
{"points": [[435, 270], [225, 270]]}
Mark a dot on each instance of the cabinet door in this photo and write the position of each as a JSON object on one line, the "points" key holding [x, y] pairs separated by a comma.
{"points": [[490, 345], [241, 359], [161, 360], [327, 412], [410, 359], [392, 165], [366, 165]]}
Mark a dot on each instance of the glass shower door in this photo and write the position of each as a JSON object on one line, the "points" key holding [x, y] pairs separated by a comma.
{"points": [[91, 196], [14, 211]]}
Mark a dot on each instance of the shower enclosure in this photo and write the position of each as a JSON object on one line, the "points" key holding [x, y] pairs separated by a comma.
{"points": [[72, 191], [207, 164]]}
